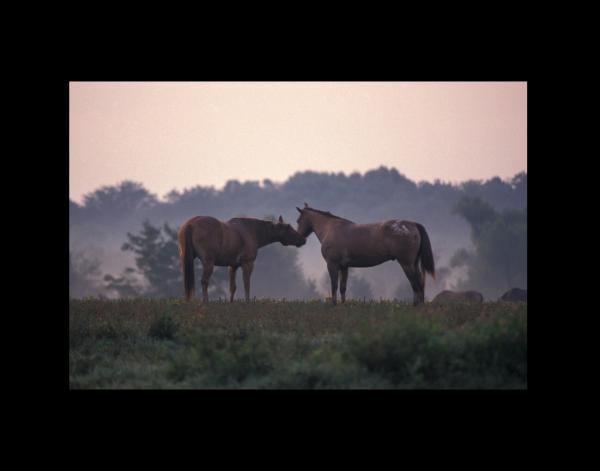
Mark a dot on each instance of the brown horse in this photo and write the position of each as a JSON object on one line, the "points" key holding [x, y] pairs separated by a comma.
{"points": [[230, 244], [345, 244]]}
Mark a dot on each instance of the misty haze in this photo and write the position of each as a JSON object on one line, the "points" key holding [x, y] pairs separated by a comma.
{"points": [[99, 228]]}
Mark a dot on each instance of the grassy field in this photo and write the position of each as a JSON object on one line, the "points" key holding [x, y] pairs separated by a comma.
{"points": [[158, 344]]}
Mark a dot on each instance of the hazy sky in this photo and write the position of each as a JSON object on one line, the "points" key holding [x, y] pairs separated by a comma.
{"points": [[175, 135]]}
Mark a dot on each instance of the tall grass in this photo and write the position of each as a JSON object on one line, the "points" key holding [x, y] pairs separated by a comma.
{"points": [[172, 344]]}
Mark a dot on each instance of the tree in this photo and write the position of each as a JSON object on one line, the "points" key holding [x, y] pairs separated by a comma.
{"points": [[157, 259], [477, 212], [117, 201], [75, 212], [84, 274], [499, 259]]}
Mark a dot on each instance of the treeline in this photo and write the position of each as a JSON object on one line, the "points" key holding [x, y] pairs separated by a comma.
{"points": [[376, 194], [118, 230]]}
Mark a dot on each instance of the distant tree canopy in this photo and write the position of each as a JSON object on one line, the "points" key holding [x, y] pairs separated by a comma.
{"points": [[113, 202], [499, 259], [378, 193], [127, 196], [106, 217], [477, 212]]}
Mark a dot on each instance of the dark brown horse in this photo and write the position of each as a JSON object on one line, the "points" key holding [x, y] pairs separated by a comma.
{"points": [[232, 244], [345, 244]]}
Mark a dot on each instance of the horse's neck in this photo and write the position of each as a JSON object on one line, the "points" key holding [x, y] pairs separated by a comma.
{"points": [[260, 232], [321, 224], [264, 235]]}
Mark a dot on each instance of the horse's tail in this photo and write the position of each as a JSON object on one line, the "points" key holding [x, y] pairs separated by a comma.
{"points": [[425, 253], [187, 262]]}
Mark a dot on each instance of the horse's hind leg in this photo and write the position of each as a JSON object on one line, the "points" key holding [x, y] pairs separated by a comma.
{"points": [[343, 282], [333, 269], [417, 282], [208, 266]]}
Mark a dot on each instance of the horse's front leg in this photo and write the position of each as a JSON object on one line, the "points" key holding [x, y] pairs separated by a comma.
{"points": [[343, 282], [247, 271], [333, 269], [232, 286]]}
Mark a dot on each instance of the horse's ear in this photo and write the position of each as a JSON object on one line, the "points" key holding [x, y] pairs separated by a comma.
{"points": [[305, 205], [299, 210], [280, 219]]}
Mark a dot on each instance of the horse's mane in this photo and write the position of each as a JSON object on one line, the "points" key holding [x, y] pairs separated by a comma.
{"points": [[253, 222], [328, 214], [263, 229]]}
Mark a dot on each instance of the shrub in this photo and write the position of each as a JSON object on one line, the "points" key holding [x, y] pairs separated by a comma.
{"points": [[224, 357], [163, 328]]}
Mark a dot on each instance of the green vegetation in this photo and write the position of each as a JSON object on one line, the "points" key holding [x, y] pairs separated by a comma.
{"points": [[168, 343]]}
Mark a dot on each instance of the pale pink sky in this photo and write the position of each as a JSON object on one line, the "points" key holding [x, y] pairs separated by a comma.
{"points": [[175, 135]]}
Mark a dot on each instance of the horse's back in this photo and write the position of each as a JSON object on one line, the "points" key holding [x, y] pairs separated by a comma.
{"points": [[244, 231], [354, 245], [207, 235], [204, 226], [366, 245]]}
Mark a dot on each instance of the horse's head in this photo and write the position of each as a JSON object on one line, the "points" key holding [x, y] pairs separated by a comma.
{"points": [[286, 234], [305, 226]]}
